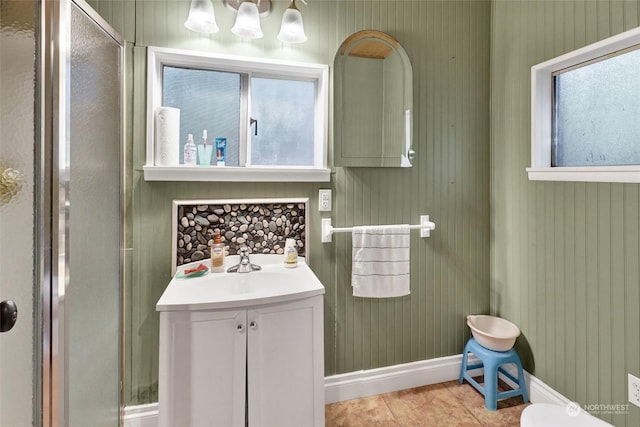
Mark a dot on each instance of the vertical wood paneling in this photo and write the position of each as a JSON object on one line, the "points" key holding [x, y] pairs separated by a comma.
{"points": [[617, 358], [569, 305], [564, 255], [119, 14], [582, 312], [631, 288], [448, 44]]}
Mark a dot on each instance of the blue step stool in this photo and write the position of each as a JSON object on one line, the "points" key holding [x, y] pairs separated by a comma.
{"points": [[492, 362]]}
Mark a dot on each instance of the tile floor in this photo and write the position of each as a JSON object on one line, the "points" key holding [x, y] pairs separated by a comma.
{"points": [[446, 404]]}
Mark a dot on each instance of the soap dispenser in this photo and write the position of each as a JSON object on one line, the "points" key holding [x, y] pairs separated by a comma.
{"points": [[190, 151], [217, 254]]}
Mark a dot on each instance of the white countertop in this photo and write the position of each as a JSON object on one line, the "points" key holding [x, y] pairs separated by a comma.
{"points": [[273, 284]]}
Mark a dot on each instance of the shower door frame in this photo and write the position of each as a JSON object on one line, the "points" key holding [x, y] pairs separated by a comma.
{"points": [[52, 199]]}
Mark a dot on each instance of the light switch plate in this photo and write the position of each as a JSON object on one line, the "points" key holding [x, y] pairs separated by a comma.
{"points": [[324, 200]]}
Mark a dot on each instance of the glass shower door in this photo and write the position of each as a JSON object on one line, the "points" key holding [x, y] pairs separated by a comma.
{"points": [[91, 300], [17, 220], [60, 216]]}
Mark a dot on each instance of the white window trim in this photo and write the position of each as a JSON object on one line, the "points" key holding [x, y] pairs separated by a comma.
{"points": [[541, 116], [319, 172]]}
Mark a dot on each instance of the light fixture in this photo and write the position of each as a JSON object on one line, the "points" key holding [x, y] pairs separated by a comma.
{"points": [[247, 25], [201, 17], [248, 21], [292, 28]]}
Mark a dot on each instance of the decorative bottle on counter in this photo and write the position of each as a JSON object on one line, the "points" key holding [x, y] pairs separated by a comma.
{"points": [[290, 253], [217, 254], [190, 151]]}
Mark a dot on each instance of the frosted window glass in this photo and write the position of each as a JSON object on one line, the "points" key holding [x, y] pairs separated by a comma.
{"points": [[285, 114], [597, 113], [207, 100]]}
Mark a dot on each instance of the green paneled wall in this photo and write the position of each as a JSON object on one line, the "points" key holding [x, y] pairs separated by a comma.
{"points": [[448, 43], [565, 256]]}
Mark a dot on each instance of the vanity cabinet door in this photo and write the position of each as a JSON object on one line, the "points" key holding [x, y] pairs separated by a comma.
{"points": [[285, 363], [202, 368]]}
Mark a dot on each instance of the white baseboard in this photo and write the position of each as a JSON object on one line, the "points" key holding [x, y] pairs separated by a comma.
{"points": [[355, 385], [358, 384], [141, 415], [539, 392]]}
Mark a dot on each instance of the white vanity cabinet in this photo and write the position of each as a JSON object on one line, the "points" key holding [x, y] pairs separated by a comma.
{"points": [[202, 368], [260, 357]]}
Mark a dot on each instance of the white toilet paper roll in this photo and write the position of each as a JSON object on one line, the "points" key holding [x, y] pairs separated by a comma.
{"points": [[167, 136]]}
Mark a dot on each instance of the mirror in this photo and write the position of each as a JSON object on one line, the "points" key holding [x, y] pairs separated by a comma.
{"points": [[373, 103]]}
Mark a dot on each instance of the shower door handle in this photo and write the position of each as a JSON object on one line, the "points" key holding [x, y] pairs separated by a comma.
{"points": [[8, 315]]}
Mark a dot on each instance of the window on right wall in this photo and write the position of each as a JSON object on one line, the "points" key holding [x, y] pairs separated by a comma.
{"points": [[586, 113]]}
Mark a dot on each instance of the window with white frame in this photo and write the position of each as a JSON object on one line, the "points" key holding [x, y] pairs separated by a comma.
{"points": [[273, 115], [586, 113]]}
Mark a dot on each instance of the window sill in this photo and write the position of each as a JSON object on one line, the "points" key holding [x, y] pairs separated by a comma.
{"points": [[235, 174], [586, 174]]}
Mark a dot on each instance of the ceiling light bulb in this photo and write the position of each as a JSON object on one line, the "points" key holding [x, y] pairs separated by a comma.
{"points": [[292, 28], [201, 17], [248, 21]]}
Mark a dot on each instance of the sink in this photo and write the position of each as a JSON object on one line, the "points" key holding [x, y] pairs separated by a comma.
{"points": [[272, 284]]}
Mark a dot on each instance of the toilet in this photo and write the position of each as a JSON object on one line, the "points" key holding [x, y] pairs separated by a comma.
{"points": [[550, 415]]}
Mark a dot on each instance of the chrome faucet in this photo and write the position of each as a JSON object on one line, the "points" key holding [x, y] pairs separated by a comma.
{"points": [[244, 266]]}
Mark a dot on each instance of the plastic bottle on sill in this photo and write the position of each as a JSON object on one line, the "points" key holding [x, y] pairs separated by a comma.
{"points": [[221, 151], [190, 151], [204, 151]]}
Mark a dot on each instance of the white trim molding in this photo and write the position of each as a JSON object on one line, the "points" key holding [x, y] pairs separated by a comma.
{"points": [[141, 415], [541, 115], [586, 174], [236, 174], [539, 392], [358, 384], [355, 385]]}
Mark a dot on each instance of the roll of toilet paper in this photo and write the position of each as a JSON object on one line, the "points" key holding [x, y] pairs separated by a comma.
{"points": [[167, 136]]}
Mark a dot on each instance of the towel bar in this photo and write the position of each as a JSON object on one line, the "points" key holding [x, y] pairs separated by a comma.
{"points": [[425, 227]]}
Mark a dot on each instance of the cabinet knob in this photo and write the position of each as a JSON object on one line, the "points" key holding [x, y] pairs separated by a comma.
{"points": [[253, 324], [240, 328]]}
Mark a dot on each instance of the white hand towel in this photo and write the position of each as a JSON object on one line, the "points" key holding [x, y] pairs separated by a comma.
{"points": [[380, 265]]}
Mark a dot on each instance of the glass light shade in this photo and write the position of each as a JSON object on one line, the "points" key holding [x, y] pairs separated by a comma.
{"points": [[292, 29], [201, 17], [248, 21]]}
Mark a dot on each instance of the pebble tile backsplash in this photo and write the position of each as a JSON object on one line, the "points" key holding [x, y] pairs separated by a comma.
{"points": [[263, 227]]}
